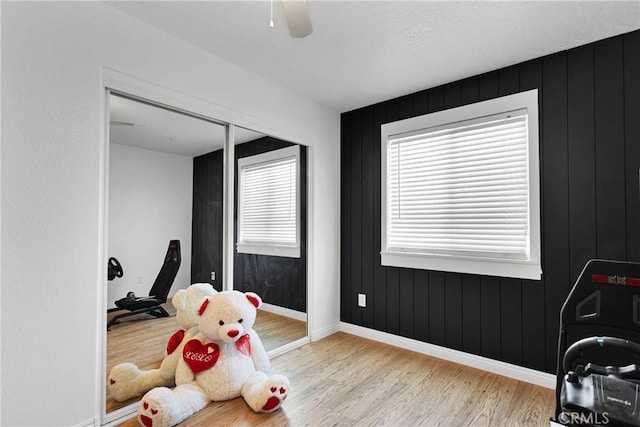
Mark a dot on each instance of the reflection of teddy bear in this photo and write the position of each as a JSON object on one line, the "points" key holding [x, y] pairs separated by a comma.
{"points": [[226, 359], [126, 380]]}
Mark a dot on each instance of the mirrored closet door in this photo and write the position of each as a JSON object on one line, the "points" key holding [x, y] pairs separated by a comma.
{"points": [[270, 234], [155, 198], [166, 183]]}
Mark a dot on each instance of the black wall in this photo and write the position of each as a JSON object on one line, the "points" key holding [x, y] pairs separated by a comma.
{"points": [[589, 107], [279, 281], [206, 229]]}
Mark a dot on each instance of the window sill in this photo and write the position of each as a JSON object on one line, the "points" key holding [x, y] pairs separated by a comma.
{"points": [[490, 267], [272, 250]]}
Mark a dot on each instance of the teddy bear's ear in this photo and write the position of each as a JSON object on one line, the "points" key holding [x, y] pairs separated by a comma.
{"points": [[253, 299], [204, 305], [179, 299]]}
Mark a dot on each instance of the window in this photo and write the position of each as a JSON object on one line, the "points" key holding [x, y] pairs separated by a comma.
{"points": [[460, 189], [268, 203]]}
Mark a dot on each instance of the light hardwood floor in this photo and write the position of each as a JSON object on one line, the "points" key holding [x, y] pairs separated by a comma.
{"points": [[346, 380], [142, 339]]}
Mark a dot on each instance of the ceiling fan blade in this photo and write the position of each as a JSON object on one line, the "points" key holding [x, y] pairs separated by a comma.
{"points": [[298, 18]]}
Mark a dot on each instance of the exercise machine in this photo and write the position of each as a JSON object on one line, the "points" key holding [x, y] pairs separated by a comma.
{"points": [[598, 370], [158, 294]]}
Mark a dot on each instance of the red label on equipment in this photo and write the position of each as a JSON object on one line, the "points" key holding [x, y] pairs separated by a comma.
{"points": [[615, 280]]}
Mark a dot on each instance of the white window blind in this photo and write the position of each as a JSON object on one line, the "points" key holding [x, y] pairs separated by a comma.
{"points": [[268, 203], [461, 188]]}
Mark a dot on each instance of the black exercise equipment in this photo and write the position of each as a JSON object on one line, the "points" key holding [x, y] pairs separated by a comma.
{"points": [[598, 370], [114, 269], [158, 293]]}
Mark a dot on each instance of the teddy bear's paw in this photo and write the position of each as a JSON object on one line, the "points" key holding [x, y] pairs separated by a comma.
{"points": [[153, 410], [278, 394], [122, 381], [275, 392]]}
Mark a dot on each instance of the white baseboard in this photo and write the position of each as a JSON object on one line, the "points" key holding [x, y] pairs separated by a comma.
{"points": [[286, 312], [93, 422], [323, 333], [520, 373]]}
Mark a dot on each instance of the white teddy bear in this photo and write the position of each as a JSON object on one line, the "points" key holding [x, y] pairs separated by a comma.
{"points": [[126, 380], [226, 359]]}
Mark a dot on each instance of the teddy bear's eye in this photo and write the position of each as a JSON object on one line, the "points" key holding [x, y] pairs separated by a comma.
{"points": [[240, 321], [221, 322]]}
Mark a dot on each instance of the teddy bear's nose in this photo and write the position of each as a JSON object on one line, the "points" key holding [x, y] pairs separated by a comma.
{"points": [[233, 333]]}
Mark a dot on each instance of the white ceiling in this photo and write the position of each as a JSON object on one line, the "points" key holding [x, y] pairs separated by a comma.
{"points": [[141, 125], [363, 52]]}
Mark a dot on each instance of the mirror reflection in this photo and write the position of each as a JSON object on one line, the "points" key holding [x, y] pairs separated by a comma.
{"points": [[271, 220], [165, 228], [152, 208]]}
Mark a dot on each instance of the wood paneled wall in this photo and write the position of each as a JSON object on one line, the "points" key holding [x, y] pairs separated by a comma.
{"points": [[279, 281], [206, 228], [589, 107]]}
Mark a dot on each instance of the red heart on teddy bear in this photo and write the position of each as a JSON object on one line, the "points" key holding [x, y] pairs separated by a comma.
{"points": [[200, 357]]}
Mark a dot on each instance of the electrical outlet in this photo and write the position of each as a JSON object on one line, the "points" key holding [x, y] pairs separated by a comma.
{"points": [[139, 281], [213, 275], [362, 300]]}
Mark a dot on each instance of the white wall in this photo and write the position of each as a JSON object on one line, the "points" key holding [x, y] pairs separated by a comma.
{"points": [[150, 203], [53, 54]]}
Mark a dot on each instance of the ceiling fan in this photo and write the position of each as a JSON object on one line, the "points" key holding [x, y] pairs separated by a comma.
{"points": [[298, 18]]}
